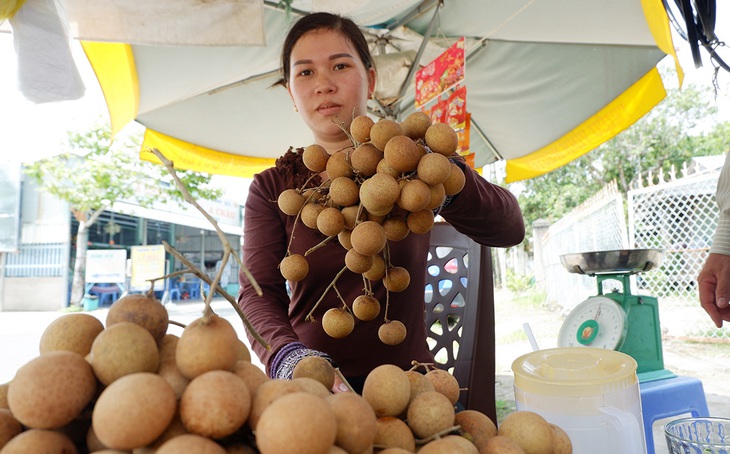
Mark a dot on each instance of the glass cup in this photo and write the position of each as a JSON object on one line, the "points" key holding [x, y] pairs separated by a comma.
{"points": [[698, 436]]}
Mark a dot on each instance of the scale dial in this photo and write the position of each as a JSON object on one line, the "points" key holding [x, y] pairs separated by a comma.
{"points": [[598, 322]]}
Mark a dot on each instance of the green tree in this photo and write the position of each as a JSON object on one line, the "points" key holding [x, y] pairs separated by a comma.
{"points": [[679, 128], [95, 172]]}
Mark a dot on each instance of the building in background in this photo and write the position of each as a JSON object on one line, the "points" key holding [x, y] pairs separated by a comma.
{"points": [[37, 241]]}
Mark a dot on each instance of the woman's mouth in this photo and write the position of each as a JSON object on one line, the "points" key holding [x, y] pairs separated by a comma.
{"points": [[328, 108]]}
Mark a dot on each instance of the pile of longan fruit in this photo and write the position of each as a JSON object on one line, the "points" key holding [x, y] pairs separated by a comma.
{"points": [[386, 186], [130, 386]]}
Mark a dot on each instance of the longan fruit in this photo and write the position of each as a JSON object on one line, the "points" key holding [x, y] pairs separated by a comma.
{"points": [[416, 124], [344, 238], [438, 196], [315, 157], [396, 228], [344, 191], [330, 221], [309, 214], [365, 159], [368, 238], [530, 430], [360, 128], [378, 192], [392, 332], [420, 222], [419, 383], [445, 383], [337, 165], [338, 323], [294, 267], [501, 444], [430, 413], [358, 263], [311, 195], [478, 425], [385, 168], [317, 368], [397, 279], [441, 138], [562, 443], [387, 389], [402, 154], [290, 201], [456, 180], [415, 195], [393, 433], [383, 130], [350, 214], [377, 271], [366, 307], [433, 168]]}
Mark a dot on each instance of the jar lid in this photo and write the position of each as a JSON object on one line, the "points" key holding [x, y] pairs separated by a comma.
{"points": [[574, 372]]}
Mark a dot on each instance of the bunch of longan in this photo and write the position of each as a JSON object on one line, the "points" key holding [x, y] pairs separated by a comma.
{"points": [[383, 188]]}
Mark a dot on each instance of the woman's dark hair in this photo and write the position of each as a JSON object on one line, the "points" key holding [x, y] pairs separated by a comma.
{"points": [[323, 21]]}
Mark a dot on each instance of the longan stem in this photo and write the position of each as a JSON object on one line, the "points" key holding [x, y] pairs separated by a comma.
{"points": [[339, 296], [425, 366], [332, 284], [228, 249], [173, 322], [321, 244]]}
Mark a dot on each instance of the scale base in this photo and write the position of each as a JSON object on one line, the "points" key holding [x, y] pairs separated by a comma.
{"points": [[654, 375]]}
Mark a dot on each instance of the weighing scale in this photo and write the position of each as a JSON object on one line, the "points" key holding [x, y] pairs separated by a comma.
{"points": [[617, 320]]}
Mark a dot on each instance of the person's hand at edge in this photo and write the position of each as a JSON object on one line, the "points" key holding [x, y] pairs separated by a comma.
{"points": [[714, 287]]}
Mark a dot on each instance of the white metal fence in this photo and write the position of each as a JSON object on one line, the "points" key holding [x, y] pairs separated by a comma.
{"points": [[678, 216], [596, 225]]}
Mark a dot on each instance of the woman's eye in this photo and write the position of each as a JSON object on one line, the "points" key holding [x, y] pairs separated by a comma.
{"points": [[305, 72], [340, 66]]}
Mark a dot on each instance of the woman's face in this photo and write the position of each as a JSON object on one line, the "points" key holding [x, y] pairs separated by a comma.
{"points": [[328, 84]]}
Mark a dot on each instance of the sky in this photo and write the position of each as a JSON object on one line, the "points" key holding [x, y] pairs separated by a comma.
{"points": [[30, 131]]}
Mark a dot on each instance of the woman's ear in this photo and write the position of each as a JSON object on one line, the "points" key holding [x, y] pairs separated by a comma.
{"points": [[372, 79], [288, 90]]}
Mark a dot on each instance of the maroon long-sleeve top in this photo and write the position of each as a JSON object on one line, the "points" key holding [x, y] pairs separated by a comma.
{"points": [[487, 213]]}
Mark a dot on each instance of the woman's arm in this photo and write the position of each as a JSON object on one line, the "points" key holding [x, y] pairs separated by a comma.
{"points": [[487, 213], [264, 246]]}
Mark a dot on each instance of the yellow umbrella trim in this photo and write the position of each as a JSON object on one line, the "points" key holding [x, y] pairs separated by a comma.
{"points": [[187, 156], [113, 64], [623, 111], [8, 8], [658, 22]]}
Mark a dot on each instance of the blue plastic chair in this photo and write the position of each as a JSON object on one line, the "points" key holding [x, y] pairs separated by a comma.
{"points": [[173, 289], [670, 397], [193, 288]]}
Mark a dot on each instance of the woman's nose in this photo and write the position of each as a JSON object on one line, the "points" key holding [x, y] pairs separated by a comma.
{"points": [[324, 84]]}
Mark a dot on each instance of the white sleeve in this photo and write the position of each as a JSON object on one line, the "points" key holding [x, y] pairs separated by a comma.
{"points": [[721, 242]]}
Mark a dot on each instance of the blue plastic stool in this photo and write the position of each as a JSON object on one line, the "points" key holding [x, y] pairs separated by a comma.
{"points": [[670, 397]]}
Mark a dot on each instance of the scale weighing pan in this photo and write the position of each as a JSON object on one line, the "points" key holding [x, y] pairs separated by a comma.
{"points": [[611, 262]]}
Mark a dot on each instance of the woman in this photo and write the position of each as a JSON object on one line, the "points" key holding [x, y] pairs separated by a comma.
{"points": [[329, 74]]}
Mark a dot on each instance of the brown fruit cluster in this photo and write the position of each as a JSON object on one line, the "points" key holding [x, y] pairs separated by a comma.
{"points": [[204, 395], [127, 384], [383, 188]]}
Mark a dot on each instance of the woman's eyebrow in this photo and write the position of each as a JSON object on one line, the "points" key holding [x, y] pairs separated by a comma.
{"points": [[331, 57]]}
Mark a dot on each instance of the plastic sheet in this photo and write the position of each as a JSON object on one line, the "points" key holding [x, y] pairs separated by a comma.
{"points": [[47, 71]]}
